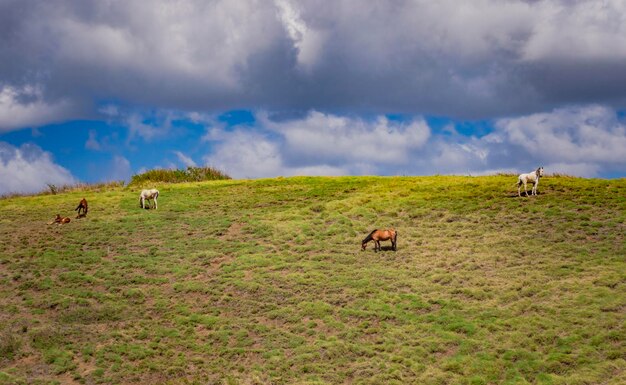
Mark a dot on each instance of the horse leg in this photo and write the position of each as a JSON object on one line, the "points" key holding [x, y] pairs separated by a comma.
{"points": [[156, 206], [525, 188]]}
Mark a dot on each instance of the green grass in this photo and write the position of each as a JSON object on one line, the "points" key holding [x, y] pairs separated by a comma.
{"points": [[254, 282]]}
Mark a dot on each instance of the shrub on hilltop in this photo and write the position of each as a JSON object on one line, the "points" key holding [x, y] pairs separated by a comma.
{"points": [[191, 174]]}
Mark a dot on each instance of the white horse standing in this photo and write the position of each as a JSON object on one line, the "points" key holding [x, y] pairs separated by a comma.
{"points": [[146, 195], [532, 177]]}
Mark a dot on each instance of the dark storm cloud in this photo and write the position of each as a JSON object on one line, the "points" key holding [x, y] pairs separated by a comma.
{"points": [[60, 59]]}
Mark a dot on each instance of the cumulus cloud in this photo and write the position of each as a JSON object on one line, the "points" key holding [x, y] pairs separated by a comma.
{"points": [[587, 170], [119, 169], [184, 159], [141, 124], [28, 169], [25, 107], [479, 59], [92, 142], [584, 141], [591, 134], [318, 144], [339, 139], [307, 41], [589, 30], [245, 154]]}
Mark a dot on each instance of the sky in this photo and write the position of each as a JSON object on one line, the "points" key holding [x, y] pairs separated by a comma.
{"points": [[99, 90]]}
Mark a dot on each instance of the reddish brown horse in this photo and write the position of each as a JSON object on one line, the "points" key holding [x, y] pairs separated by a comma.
{"points": [[60, 220], [381, 235], [82, 208]]}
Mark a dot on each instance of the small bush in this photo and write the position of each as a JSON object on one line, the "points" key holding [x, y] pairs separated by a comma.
{"points": [[191, 174], [53, 188]]}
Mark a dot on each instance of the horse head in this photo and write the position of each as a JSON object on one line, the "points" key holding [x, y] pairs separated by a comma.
{"points": [[539, 171]]}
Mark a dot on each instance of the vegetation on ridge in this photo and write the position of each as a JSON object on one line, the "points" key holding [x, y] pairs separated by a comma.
{"points": [[191, 174]]}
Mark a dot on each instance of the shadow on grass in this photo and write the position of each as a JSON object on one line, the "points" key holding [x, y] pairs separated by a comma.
{"points": [[382, 248], [514, 195]]}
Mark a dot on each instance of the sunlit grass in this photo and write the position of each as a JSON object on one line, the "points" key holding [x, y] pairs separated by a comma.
{"points": [[264, 282]]}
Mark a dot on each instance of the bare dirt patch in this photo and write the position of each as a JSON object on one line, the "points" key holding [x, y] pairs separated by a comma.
{"points": [[233, 232]]}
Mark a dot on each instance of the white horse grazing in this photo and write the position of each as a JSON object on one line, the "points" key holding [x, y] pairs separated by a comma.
{"points": [[146, 195], [532, 177]]}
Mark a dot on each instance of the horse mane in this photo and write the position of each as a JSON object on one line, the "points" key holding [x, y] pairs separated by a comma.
{"points": [[369, 236]]}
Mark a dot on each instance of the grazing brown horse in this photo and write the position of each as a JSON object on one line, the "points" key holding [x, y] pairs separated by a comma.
{"points": [[60, 220], [381, 235], [82, 208]]}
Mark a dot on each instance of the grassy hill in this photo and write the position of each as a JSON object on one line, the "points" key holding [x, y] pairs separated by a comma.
{"points": [[254, 282]]}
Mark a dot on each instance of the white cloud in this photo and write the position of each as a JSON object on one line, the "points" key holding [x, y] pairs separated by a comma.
{"points": [[583, 141], [184, 159], [308, 42], [28, 169], [246, 154], [138, 127], [587, 170], [589, 30], [92, 142], [204, 42], [318, 144], [341, 139], [119, 169], [25, 107], [110, 110], [590, 134]]}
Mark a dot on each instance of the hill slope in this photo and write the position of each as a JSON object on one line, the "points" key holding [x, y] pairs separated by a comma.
{"points": [[264, 282]]}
